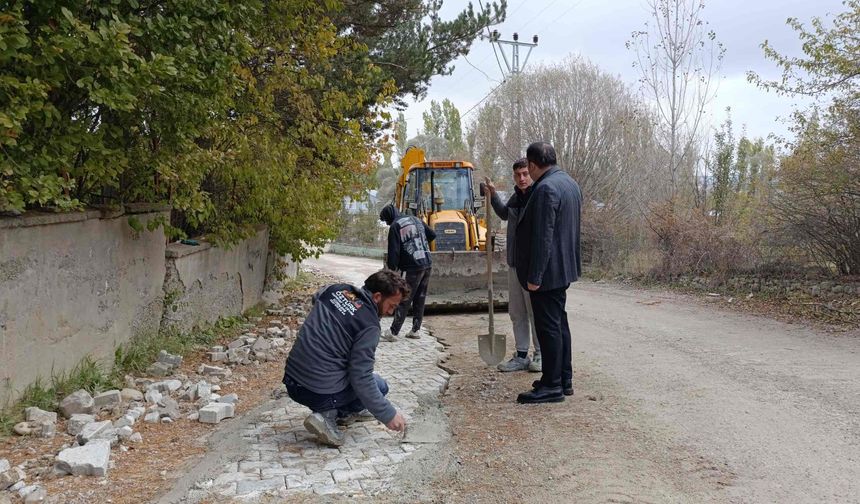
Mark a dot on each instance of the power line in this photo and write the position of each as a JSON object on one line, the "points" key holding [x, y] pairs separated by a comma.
{"points": [[530, 21], [490, 36], [478, 69], [482, 100]]}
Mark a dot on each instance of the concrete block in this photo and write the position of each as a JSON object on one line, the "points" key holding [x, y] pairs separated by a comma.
{"points": [[136, 412], [77, 402], [159, 369], [91, 459], [124, 432], [229, 399], [131, 395], [215, 412], [37, 494], [107, 400], [165, 386], [235, 355], [97, 430], [214, 371], [171, 360], [217, 356], [153, 396], [152, 417], [10, 476], [124, 421], [77, 422], [34, 414], [46, 429], [190, 394], [170, 408]]}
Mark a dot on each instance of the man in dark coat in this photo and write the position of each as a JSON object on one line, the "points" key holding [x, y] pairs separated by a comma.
{"points": [[548, 261]]}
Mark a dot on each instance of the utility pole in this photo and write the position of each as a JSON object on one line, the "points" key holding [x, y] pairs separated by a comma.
{"points": [[514, 69]]}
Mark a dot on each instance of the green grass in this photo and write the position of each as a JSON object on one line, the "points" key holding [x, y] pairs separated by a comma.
{"points": [[94, 376], [88, 374]]}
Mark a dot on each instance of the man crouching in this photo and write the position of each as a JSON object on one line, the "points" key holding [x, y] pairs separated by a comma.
{"points": [[330, 367]]}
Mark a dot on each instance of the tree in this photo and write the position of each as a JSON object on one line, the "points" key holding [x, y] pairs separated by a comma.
{"points": [[677, 57], [409, 41], [442, 121], [818, 202], [723, 168], [401, 134], [237, 114]]}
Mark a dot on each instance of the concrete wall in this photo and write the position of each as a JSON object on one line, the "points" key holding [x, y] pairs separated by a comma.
{"points": [[203, 283], [71, 285]]}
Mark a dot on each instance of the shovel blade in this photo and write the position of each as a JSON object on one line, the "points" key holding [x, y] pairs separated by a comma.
{"points": [[492, 348]]}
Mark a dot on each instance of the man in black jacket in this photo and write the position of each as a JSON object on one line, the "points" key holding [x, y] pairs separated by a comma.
{"points": [[408, 251], [330, 367], [548, 260], [519, 305]]}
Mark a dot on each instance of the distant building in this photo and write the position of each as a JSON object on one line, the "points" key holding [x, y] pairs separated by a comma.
{"points": [[355, 207]]}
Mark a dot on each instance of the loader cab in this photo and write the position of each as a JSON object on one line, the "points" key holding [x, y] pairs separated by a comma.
{"points": [[434, 189], [441, 194]]}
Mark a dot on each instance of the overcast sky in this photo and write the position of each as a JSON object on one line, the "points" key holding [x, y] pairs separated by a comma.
{"points": [[598, 29]]}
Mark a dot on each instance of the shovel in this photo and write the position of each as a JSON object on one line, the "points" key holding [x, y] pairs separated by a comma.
{"points": [[491, 346]]}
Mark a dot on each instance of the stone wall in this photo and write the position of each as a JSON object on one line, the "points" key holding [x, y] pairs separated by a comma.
{"points": [[203, 283], [84, 283], [72, 285], [819, 287]]}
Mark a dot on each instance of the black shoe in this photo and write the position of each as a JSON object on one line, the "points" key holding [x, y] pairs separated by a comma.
{"points": [[541, 395], [567, 387]]}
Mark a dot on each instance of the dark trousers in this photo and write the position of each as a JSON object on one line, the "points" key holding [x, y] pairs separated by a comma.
{"points": [[418, 281], [345, 401], [553, 332]]}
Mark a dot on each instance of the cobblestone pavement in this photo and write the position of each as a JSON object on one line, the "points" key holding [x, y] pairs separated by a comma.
{"points": [[281, 458]]}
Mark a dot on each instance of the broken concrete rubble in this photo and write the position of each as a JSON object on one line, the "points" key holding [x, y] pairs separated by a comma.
{"points": [[10, 476], [229, 398], [91, 459], [77, 422], [214, 371], [169, 409], [77, 402], [174, 361], [153, 396], [107, 400], [131, 395], [97, 430], [34, 414]]}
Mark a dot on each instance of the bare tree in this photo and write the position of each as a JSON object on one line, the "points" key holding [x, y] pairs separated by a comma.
{"points": [[678, 58]]}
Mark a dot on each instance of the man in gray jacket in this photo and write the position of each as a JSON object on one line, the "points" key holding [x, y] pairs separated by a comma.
{"points": [[519, 305], [330, 367]]}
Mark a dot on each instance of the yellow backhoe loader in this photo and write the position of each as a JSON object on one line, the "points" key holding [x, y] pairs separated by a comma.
{"points": [[442, 195]]}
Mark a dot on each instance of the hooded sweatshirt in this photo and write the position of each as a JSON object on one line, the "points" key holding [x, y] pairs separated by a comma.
{"points": [[336, 348], [408, 240]]}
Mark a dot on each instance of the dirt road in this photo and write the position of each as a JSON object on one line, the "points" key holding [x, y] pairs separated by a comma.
{"points": [[676, 401]]}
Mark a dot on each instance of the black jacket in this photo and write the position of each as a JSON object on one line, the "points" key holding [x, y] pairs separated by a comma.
{"points": [[512, 212], [548, 250], [408, 241], [336, 348]]}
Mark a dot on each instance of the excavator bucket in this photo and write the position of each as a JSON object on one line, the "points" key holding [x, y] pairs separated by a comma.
{"points": [[459, 282]]}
